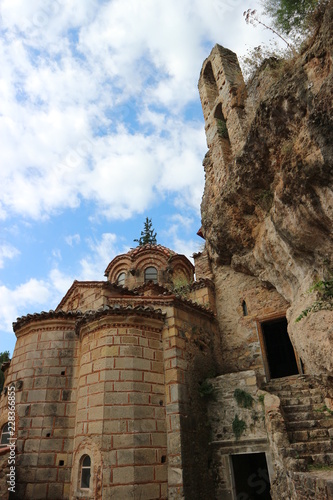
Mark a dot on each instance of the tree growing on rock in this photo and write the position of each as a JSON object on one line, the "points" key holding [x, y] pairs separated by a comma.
{"points": [[289, 15], [148, 235]]}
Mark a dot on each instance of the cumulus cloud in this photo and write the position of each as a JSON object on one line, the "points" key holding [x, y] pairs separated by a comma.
{"points": [[77, 79], [101, 253], [7, 251], [15, 302], [47, 293], [73, 239]]}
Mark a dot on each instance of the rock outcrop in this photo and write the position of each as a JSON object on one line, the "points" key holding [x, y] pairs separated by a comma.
{"points": [[267, 208]]}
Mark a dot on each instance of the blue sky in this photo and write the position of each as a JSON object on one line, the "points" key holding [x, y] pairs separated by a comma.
{"points": [[101, 126]]}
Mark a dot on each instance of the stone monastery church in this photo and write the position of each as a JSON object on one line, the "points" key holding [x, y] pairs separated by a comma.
{"points": [[168, 380]]}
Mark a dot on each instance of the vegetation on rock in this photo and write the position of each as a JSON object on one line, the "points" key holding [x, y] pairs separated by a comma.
{"points": [[238, 427], [290, 15], [243, 398], [324, 288], [290, 20]]}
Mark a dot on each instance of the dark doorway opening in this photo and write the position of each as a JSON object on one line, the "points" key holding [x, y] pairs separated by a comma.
{"points": [[279, 350], [251, 476]]}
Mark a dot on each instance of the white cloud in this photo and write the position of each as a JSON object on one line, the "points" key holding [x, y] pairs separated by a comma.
{"points": [[72, 71], [7, 251], [45, 294], [59, 281], [101, 253], [17, 301], [73, 239], [179, 225]]}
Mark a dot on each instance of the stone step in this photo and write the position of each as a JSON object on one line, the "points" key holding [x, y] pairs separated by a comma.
{"points": [[300, 425], [308, 406], [305, 415], [299, 393], [306, 435], [299, 388], [297, 408], [318, 458], [317, 447], [306, 400], [290, 384]]}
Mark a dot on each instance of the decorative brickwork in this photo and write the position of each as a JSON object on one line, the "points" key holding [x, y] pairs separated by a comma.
{"points": [[113, 375]]}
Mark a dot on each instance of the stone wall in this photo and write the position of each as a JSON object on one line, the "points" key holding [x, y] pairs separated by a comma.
{"points": [[315, 487], [237, 423], [4, 469], [241, 349], [121, 408], [191, 353], [44, 364]]}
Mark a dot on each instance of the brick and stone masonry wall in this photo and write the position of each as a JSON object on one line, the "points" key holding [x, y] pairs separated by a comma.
{"points": [[241, 348], [223, 409], [4, 469], [121, 407], [191, 348], [44, 362]]}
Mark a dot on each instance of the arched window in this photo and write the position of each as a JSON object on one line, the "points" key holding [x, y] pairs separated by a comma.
{"points": [[85, 470], [210, 83], [5, 435], [151, 274], [121, 278]]}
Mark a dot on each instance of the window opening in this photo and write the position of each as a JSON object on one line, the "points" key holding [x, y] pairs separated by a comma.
{"points": [[221, 123], [251, 478], [244, 307], [85, 471], [121, 279], [210, 83], [151, 274], [5, 435]]}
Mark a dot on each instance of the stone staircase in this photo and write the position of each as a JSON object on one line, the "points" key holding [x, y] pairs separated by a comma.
{"points": [[308, 421]]}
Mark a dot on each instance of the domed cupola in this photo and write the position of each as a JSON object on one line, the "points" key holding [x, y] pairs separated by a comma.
{"points": [[150, 263]]}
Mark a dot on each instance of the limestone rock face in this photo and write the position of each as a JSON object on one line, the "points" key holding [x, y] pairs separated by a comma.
{"points": [[267, 208]]}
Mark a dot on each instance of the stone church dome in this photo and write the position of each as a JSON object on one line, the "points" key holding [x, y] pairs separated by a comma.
{"points": [[150, 263]]}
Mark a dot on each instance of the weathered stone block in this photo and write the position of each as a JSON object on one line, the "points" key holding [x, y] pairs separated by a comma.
{"points": [[123, 475], [56, 491]]}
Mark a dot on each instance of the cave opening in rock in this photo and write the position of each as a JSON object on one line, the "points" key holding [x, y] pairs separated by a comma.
{"points": [[280, 354], [251, 478]]}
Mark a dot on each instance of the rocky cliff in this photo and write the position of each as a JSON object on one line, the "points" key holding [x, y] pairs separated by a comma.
{"points": [[267, 208]]}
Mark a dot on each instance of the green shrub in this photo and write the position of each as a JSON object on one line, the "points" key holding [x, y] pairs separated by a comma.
{"points": [[222, 129], [238, 427], [324, 288], [243, 398]]}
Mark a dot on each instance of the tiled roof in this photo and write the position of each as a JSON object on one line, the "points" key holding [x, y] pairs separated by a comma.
{"points": [[94, 284], [142, 248], [85, 317], [24, 320], [75, 284], [117, 309]]}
